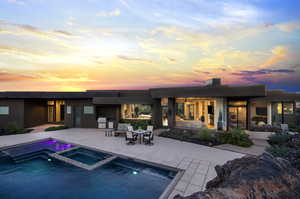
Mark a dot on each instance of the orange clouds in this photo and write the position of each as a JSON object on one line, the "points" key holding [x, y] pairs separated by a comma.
{"points": [[279, 54], [8, 77]]}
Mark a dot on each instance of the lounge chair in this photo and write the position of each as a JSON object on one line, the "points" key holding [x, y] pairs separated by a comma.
{"points": [[121, 130], [130, 137]]}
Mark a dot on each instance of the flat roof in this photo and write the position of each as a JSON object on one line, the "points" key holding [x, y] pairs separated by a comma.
{"points": [[278, 95], [256, 92], [210, 91]]}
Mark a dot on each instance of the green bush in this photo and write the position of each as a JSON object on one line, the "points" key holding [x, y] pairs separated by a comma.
{"points": [[279, 151], [56, 128], [204, 134], [294, 128], [12, 128], [278, 139], [137, 123], [236, 137]]}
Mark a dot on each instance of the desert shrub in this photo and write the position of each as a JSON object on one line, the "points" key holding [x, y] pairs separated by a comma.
{"points": [[278, 139], [294, 128], [204, 134], [265, 128], [178, 134], [236, 137], [12, 129], [279, 151], [137, 123], [56, 128]]}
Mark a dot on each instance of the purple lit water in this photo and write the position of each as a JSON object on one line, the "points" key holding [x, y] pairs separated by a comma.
{"points": [[51, 145]]}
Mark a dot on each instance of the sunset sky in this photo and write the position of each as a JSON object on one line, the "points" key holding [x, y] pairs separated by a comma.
{"points": [[75, 45]]}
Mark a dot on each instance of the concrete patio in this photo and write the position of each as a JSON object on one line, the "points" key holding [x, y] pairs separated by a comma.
{"points": [[198, 161]]}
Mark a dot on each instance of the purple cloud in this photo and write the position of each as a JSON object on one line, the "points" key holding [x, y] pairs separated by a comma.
{"points": [[262, 72]]}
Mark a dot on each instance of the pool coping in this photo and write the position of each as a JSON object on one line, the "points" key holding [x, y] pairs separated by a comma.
{"points": [[166, 193]]}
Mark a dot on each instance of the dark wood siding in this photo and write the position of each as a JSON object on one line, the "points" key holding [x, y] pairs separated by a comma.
{"points": [[16, 113], [35, 112], [87, 120]]}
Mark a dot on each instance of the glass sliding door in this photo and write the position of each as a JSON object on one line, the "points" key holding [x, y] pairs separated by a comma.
{"points": [[56, 111], [277, 117], [237, 114], [51, 111], [283, 113], [164, 111]]}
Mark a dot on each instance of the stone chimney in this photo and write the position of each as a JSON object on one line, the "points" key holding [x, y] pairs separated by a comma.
{"points": [[213, 82]]}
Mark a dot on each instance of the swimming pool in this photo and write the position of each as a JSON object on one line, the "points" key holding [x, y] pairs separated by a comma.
{"points": [[38, 177]]}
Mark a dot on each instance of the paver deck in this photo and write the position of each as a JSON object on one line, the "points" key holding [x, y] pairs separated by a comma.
{"points": [[198, 161]]}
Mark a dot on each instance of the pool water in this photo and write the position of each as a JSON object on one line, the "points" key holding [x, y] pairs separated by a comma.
{"points": [[49, 178], [85, 156], [50, 145]]}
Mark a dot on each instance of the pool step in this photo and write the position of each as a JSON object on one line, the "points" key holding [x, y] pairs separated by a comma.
{"points": [[30, 156], [7, 171], [67, 150], [80, 164]]}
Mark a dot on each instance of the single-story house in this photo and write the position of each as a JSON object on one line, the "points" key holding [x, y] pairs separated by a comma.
{"points": [[213, 105]]}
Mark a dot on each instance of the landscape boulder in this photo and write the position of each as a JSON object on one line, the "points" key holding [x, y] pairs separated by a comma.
{"points": [[294, 158], [261, 177], [294, 141]]}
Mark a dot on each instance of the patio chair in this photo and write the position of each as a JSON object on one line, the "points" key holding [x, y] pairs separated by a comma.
{"points": [[130, 138], [150, 128], [148, 138]]}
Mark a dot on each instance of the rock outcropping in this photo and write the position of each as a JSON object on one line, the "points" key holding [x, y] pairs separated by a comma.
{"points": [[294, 158], [262, 177], [294, 141]]}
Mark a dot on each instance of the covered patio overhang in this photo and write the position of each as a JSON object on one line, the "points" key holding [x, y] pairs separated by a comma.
{"points": [[122, 100]]}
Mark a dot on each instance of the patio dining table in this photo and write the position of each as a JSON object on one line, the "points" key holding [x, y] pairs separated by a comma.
{"points": [[140, 133]]}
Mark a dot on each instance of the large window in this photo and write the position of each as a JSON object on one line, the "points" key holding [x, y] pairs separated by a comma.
{"points": [[4, 110], [283, 113], [164, 111], [136, 111], [195, 110]]}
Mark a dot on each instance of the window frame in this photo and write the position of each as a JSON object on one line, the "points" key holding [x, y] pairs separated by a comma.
{"points": [[90, 112], [7, 109], [69, 109]]}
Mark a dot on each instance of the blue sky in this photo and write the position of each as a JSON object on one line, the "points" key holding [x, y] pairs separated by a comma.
{"points": [[122, 44]]}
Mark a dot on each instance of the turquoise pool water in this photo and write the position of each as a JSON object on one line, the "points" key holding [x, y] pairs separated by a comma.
{"points": [[46, 178]]}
